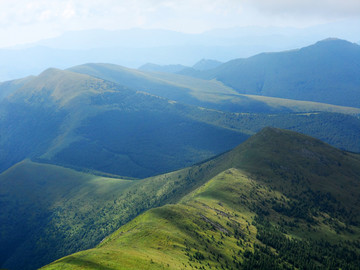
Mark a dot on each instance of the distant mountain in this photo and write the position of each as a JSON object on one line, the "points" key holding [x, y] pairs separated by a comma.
{"points": [[279, 200], [159, 68], [203, 64], [135, 47], [206, 64], [210, 94], [328, 72]]}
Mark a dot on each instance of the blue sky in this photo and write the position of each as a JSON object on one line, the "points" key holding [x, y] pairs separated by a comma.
{"points": [[25, 21]]}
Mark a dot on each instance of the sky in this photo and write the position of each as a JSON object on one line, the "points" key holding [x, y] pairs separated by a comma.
{"points": [[26, 21]]}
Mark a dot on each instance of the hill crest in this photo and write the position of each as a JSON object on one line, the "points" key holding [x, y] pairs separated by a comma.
{"points": [[244, 207]]}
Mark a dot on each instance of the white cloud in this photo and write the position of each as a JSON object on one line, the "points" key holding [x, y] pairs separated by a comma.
{"points": [[318, 8]]}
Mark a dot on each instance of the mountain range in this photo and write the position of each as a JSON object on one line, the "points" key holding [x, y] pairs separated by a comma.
{"points": [[90, 123], [135, 47], [141, 167], [95, 123], [327, 72]]}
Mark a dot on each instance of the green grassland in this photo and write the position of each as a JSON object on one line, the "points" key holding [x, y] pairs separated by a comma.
{"points": [[280, 200]]}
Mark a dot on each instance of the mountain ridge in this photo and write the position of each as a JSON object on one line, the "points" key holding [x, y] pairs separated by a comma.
{"points": [[244, 207], [97, 124], [72, 113], [210, 94]]}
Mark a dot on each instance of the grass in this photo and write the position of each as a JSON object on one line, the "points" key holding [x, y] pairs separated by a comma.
{"points": [[63, 207], [240, 211], [162, 237], [69, 211]]}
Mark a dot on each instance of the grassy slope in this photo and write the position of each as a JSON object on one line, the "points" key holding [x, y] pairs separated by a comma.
{"points": [[297, 192], [89, 123], [45, 206], [211, 94], [67, 211]]}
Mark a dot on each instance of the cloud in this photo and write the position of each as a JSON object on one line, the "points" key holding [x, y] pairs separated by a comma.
{"points": [[318, 8], [52, 17], [193, 15], [26, 12]]}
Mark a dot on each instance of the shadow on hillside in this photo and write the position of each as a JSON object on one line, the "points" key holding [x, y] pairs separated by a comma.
{"points": [[85, 263]]}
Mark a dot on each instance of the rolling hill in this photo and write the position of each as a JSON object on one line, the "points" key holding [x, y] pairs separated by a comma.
{"points": [[68, 118], [87, 123], [67, 211], [44, 206], [326, 72], [281, 200], [206, 93]]}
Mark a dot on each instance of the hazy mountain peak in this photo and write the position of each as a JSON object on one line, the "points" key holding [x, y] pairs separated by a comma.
{"points": [[205, 64], [331, 39], [334, 42]]}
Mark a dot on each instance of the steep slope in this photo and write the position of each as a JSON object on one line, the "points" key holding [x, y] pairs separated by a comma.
{"points": [[210, 94], [279, 200], [74, 119], [67, 211], [328, 72], [47, 210]]}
